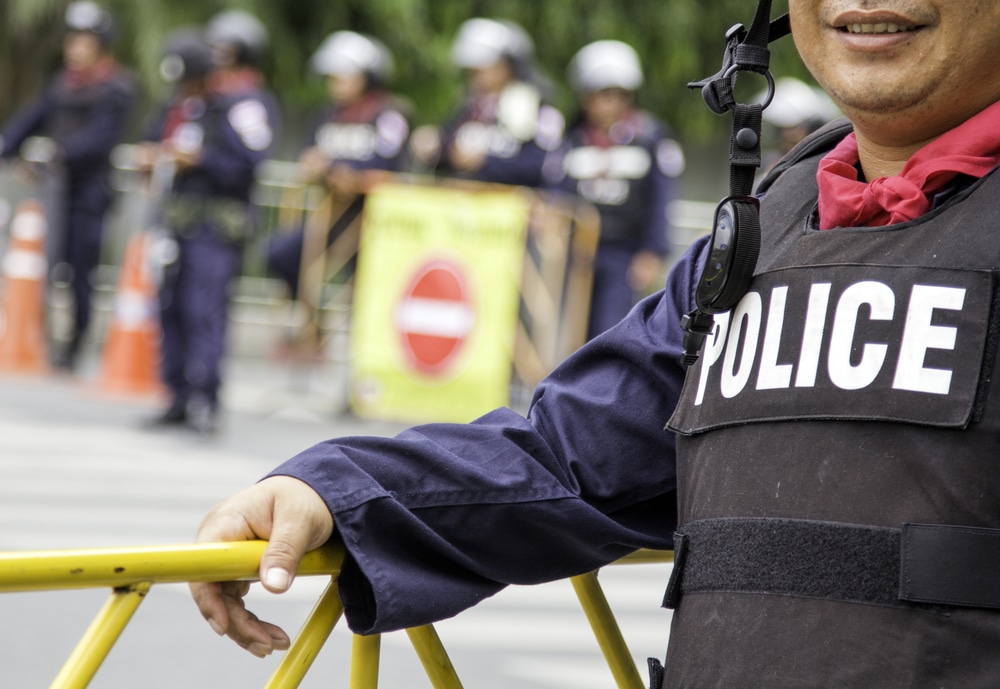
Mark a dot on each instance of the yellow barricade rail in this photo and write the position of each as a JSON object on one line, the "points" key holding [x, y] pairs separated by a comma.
{"points": [[131, 572]]}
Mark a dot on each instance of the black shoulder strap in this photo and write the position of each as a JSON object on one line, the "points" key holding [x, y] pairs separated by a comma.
{"points": [[735, 240], [823, 139]]}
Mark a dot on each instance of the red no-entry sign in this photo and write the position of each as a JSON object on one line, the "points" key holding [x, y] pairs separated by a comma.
{"points": [[435, 316]]}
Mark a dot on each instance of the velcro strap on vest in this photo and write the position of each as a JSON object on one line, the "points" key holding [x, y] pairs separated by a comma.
{"points": [[950, 565], [919, 563]]}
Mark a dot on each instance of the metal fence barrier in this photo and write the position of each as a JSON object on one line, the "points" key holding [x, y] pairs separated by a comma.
{"points": [[132, 572]]}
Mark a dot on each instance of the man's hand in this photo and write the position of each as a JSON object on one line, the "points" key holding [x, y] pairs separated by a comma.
{"points": [[645, 272], [293, 518]]}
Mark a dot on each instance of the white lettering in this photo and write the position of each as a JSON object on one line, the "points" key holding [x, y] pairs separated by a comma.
{"points": [[812, 335], [734, 378], [773, 376], [713, 350], [919, 336], [882, 301]]}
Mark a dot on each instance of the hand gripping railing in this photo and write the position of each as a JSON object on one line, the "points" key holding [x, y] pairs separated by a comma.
{"points": [[131, 572]]}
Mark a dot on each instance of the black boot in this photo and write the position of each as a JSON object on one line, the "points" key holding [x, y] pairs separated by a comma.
{"points": [[202, 415], [175, 415]]}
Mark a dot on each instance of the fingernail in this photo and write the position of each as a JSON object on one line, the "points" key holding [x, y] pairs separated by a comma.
{"points": [[260, 650], [216, 627], [276, 578]]}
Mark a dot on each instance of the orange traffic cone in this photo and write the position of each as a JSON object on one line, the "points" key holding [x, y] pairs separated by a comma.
{"points": [[22, 306], [131, 353]]}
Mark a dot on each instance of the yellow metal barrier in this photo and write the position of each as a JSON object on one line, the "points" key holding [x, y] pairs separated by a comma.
{"points": [[132, 572]]}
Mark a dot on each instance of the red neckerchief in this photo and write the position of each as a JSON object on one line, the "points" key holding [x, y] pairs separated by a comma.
{"points": [[362, 110], [174, 119], [483, 108], [972, 148], [180, 112], [103, 70], [235, 81], [621, 132]]}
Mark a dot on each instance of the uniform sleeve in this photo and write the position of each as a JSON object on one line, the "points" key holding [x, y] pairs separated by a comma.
{"points": [[668, 164], [522, 169], [445, 515], [247, 136], [23, 124]]}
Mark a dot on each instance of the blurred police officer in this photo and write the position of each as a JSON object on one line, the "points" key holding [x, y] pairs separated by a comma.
{"points": [[504, 129], [215, 130], [796, 111], [82, 114], [624, 161], [361, 133]]}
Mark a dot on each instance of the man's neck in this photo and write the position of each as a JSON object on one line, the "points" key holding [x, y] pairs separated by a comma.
{"points": [[883, 161]]}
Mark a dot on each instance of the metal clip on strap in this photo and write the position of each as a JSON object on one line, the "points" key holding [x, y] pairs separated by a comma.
{"points": [[726, 276]]}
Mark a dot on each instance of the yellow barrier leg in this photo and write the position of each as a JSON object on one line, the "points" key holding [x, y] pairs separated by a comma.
{"points": [[365, 653], [433, 657], [100, 637], [609, 635], [310, 639]]}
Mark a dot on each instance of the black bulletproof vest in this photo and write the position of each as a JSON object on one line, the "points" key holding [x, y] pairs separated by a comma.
{"points": [[73, 108], [624, 220], [850, 386]]}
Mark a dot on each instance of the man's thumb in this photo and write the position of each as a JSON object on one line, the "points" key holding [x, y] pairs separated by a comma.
{"points": [[280, 560], [300, 521]]}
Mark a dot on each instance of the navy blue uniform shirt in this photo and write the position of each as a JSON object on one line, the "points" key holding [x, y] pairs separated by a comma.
{"points": [[445, 515]]}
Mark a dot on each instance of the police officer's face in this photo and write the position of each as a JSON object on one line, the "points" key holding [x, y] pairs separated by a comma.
{"points": [[345, 89], [81, 49], [904, 71], [605, 107], [489, 79]]}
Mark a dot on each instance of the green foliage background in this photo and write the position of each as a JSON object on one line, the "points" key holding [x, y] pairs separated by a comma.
{"points": [[679, 41]]}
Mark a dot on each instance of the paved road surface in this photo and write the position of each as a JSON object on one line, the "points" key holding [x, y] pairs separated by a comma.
{"points": [[77, 470]]}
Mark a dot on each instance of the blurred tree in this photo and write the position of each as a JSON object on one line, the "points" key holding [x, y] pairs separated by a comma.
{"points": [[679, 40]]}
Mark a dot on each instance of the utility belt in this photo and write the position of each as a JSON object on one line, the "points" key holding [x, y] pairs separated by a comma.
{"points": [[916, 565], [229, 219]]}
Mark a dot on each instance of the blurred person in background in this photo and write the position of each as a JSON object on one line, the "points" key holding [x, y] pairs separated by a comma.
{"points": [[358, 136], [504, 128], [826, 470], [217, 127], [796, 111], [82, 115], [625, 162]]}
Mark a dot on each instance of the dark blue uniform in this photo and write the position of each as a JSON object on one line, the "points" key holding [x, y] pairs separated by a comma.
{"points": [[514, 130], [445, 515], [209, 214], [85, 115], [824, 462], [368, 135], [628, 174]]}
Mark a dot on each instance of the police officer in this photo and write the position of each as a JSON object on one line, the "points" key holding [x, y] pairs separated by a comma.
{"points": [[796, 111], [362, 132], [84, 112], [625, 162], [215, 130], [832, 482], [504, 129]]}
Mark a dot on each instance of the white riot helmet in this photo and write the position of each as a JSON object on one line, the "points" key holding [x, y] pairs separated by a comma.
{"points": [[482, 42], [84, 15], [605, 64], [797, 103], [240, 31], [347, 52]]}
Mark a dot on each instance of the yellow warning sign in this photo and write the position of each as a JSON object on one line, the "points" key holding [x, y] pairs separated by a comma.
{"points": [[436, 302]]}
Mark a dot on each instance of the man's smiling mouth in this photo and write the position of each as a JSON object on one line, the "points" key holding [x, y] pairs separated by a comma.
{"points": [[877, 28]]}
